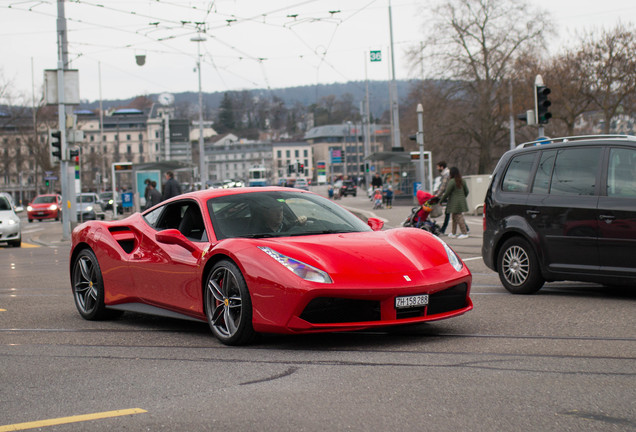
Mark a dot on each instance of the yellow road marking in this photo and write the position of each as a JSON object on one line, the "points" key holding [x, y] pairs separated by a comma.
{"points": [[29, 245], [71, 419]]}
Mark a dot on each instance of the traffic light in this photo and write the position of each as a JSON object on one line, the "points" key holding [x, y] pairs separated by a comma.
{"points": [[543, 104], [301, 168], [55, 141]]}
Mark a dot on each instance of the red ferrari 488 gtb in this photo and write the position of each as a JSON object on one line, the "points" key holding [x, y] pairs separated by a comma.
{"points": [[264, 260]]}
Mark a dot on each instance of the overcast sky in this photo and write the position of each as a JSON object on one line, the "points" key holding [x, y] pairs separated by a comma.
{"points": [[250, 43]]}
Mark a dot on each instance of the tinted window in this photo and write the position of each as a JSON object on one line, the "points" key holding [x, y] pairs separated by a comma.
{"points": [[575, 171], [621, 173], [517, 176], [4, 204], [544, 172]]}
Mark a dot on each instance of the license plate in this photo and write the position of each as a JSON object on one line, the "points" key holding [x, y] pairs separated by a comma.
{"points": [[411, 301]]}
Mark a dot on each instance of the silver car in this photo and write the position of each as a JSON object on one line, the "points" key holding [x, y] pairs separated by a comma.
{"points": [[10, 227], [89, 207]]}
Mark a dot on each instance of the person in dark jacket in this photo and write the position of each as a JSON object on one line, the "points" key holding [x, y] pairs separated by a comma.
{"points": [[172, 187], [154, 196]]}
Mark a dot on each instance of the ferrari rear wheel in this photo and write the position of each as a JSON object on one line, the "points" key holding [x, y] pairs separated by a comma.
{"points": [[88, 287], [228, 305]]}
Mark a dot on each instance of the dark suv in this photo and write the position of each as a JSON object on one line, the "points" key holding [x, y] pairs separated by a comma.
{"points": [[563, 209], [348, 188]]}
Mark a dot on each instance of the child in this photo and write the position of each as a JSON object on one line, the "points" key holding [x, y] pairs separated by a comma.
{"points": [[377, 199]]}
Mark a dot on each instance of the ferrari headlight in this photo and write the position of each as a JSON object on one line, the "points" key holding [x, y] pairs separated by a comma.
{"points": [[299, 268], [453, 259]]}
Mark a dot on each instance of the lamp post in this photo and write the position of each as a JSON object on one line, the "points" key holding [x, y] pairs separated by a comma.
{"points": [[203, 168], [420, 142]]}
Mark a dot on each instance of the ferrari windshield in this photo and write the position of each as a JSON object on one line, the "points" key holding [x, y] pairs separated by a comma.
{"points": [[276, 214]]}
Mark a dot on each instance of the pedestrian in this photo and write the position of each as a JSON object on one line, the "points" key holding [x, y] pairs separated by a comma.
{"points": [[376, 182], [456, 193], [444, 172], [388, 195], [154, 196], [147, 191], [171, 187]]}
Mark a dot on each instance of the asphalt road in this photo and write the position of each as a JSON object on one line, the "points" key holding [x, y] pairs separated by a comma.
{"points": [[561, 360]]}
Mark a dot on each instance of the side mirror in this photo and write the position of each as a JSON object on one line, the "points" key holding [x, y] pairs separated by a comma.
{"points": [[174, 237], [375, 224]]}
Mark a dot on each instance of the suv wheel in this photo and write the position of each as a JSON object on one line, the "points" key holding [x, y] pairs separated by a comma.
{"points": [[518, 267]]}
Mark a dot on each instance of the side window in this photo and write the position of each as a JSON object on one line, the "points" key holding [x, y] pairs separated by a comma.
{"points": [[541, 183], [517, 177], [153, 216], [621, 173], [575, 171], [184, 216]]}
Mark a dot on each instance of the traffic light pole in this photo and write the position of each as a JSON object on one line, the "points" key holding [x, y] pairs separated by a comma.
{"points": [[61, 120]]}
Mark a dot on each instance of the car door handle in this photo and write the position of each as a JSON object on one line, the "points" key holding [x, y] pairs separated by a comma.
{"points": [[608, 219], [533, 213]]}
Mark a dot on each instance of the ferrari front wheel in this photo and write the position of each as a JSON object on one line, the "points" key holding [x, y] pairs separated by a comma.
{"points": [[228, 306], [88, 286]]}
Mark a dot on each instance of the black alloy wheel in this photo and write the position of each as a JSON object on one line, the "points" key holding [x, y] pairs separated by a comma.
{"points": [[228, 305]]}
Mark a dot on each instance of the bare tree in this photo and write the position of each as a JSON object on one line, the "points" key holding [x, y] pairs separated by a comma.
{"points": [[475, 42], [609, 61]]}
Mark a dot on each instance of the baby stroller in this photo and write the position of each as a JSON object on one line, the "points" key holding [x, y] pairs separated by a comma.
{"points": [[377, 199], [419, 215]]}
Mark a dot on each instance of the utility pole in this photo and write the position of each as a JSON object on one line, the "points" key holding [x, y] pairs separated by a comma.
{"points": [[203, 168], [394, 93], [67, 197], [420, 142]]}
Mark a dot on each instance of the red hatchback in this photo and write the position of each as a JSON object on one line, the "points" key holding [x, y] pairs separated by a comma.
{"points": [[45, 207]]}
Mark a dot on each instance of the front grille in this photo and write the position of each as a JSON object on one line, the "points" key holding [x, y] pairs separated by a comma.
{"points": [[324, 310], [447, 300]]}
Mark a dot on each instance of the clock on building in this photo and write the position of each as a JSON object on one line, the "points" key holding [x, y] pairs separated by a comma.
{"points": [[166, 99]]}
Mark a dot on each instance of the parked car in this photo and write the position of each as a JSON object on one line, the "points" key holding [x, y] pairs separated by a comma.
{"points": [[563, 209], [265, 260], [89, 207], [301, 183], [10, 226], [348, 188], [47, 206]]}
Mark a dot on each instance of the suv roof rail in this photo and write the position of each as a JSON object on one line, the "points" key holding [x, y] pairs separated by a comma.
{"points": [[546, 140]]}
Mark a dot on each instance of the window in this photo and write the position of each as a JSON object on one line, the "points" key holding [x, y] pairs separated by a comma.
{"points": [[544, 173], [517, 175], [575, 171], [279, 154], [621, 173]]}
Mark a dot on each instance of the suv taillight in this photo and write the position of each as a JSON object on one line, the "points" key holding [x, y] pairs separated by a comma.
{"points": [[484, 219]]}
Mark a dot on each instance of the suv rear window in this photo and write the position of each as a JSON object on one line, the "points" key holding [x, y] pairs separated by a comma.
{"points": [[621, 176]]}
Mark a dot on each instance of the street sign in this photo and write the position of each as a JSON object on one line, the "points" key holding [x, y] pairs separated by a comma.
{"points": [[375, 56]]}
